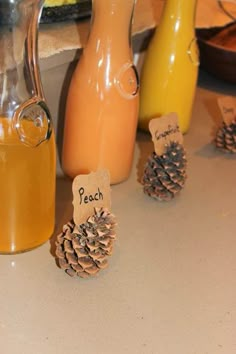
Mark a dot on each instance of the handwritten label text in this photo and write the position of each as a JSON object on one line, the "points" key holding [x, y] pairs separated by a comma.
{"points": [[164, 130], [86, 198]]}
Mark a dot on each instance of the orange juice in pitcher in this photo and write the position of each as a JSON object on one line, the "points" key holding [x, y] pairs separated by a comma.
{"points": [[102, 103], [27, 199]]}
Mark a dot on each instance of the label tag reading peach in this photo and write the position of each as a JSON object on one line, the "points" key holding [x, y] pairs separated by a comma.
{"points": [[89, 192], [228, 108], [164, 130]]}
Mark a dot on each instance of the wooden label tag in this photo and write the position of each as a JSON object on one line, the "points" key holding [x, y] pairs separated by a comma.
{"points": [[164, 130], [89, 192], [228, 108]]}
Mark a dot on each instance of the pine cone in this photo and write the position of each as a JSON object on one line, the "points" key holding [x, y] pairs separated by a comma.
{"points": [[83, 250], [165, 175], [226, 137]]}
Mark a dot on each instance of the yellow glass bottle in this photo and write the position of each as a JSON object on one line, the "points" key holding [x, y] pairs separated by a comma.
{"points": [[170, 69]]}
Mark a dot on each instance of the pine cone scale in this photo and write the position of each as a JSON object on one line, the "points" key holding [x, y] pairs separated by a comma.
{"points": [[71, 258], [226, 137]]}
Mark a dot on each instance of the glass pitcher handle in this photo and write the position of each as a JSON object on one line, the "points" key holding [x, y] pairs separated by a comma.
{"points": [[32, 50], [32, 121]]}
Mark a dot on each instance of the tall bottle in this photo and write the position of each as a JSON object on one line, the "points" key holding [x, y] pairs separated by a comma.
{"points": [[102, 103], [27, 147], [170, 69]]}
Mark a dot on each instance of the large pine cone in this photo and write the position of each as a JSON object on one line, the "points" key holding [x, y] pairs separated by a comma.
{"points": [[226, 137], [165, 175], [83, 250]]}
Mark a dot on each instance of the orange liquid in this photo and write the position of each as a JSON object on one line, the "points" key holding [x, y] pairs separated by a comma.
{"points": [[27, 180], [170, 69], [102, 103]]}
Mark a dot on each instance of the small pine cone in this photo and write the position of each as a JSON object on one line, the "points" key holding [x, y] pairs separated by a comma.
{"points": [[83, 250], [165, 175], [226, 137]]}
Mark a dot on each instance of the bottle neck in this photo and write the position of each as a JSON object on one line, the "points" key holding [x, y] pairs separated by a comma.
{"points": [[111, 20], [180, 10]]}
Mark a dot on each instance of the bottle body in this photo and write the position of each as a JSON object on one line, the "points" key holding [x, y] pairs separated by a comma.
{"points": [[102, 103], [170, 68], [27, 144]]}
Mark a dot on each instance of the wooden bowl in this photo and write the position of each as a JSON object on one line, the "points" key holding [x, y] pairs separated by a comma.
{"points": [[217, 48]]}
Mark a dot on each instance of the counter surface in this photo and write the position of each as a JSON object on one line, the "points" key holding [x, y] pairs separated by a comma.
{"points": [[171, 283]]}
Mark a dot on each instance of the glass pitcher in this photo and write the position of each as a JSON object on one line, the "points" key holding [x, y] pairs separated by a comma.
{"points": [[27, 145]]}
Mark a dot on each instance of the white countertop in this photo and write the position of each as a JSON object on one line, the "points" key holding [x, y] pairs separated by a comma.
{"points": [[170, 287]]}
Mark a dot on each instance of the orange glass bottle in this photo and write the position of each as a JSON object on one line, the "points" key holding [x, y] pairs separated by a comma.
{"points": [[102, 103]]}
